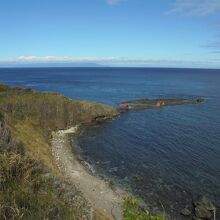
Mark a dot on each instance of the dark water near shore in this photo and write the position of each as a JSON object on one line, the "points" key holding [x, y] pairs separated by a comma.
{"points": [[165, 156]]}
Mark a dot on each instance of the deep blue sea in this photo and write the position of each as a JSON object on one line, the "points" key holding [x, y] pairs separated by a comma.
{"points": [[165, 156]]}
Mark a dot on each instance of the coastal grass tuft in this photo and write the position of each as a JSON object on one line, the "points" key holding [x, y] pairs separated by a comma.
{"points": [[26, 194], [3, 88], [133, 211]]}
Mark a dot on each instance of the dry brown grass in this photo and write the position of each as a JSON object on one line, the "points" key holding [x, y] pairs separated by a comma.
{"points": [[26, 194], [36, 144], [31, 117]]}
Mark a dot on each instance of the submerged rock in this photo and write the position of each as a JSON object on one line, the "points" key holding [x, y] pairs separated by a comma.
{"points": [[202, 208], [204, 202], [202, 212], [185, 212]]}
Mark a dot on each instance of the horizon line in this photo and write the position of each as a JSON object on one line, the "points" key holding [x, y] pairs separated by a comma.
{"points": [[103, 67]]}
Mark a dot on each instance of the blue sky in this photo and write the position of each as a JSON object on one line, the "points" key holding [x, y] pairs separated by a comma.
{"points": [[176, 33]]}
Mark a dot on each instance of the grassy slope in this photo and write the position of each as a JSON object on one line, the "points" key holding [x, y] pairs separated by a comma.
{"points": [[31, 117], [26, 194]]}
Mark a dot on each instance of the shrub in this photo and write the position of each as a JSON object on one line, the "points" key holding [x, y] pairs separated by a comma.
{"points": [[132, 211]]}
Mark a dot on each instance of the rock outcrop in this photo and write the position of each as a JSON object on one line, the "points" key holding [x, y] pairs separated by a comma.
{"points": [[202, 208], [141, 104]]}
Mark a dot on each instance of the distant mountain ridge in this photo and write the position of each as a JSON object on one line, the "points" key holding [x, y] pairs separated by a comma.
{"points": [[52, 64]]}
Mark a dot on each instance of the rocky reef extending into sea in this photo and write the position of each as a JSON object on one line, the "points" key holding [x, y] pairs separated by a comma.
{"points": [[142, 104]]}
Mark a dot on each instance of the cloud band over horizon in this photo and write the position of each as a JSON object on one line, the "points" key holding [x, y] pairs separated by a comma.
{"points": [[103, 61]]}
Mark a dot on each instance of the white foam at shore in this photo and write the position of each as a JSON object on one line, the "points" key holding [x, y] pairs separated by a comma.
{"points": [[69, 131]]}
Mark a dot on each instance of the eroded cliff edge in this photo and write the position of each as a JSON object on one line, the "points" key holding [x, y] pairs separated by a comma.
{"points": [[27, 119]]}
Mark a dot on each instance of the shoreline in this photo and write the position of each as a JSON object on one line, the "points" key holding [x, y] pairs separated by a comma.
{"points": [[106, 201]]}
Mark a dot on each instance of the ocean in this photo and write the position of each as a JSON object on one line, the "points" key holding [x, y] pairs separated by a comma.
{"points": [[164, 156]]}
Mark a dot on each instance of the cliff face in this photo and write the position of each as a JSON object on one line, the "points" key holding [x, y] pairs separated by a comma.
{"points": [[51, 110], [28, 117], [54, 111]]}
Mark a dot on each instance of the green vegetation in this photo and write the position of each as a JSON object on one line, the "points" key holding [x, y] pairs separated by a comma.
{"points": [[32, 116], [35, 188], [3, 88], [27, 119], [132, 211], [26, 194]]}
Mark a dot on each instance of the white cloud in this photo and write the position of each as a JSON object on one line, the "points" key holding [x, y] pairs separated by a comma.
{"points": [[195, 7], [37, 59], [104, 61], [114, 2]]}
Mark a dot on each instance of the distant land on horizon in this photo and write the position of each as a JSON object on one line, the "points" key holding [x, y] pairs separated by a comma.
{"points": [[30, 65], [92, 65]]}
